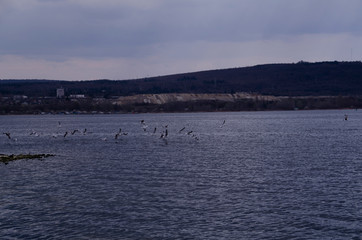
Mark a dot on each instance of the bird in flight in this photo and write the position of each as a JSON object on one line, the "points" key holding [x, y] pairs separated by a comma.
{"points": [[181, 129], [74, 131], [7, 134], [223, 123]]}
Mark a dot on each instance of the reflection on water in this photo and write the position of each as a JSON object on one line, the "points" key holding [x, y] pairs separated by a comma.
{"points": [[261, 175]]}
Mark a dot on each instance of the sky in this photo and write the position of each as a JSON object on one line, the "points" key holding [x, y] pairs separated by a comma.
{"points": [[129, 39]]}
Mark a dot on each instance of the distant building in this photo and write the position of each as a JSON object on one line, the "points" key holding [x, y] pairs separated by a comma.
{"points": [[20, 97], [77, 96], [60, 92]]}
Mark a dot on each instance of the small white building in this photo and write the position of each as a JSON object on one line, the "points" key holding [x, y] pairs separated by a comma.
{"points": [[77, 96], [20, 97], [60, 92]]}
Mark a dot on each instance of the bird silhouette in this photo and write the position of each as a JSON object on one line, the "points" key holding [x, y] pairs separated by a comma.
{"points": [[223, 123], [181, 129], [144, 126], [74, 131], [7, 134], [34, 133], [117, 135]]}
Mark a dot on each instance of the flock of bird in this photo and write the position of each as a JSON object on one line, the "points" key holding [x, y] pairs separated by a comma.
{"points": [[164, 131], [162, 134]]}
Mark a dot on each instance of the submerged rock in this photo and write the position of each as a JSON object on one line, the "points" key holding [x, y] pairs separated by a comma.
{"points": [[8, 158]]}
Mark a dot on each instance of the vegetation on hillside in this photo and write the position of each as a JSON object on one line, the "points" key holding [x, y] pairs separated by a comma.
{"points": [[299, 79], [323, 85]]}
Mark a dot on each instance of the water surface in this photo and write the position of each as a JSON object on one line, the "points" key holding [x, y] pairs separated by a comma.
{"points": [[261, 175]]}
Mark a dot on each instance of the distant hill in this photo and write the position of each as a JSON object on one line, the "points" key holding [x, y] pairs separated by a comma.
{"points": [[297, 79]]}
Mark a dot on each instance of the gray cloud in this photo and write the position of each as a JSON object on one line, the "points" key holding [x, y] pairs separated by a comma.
{"points": [[59, 30]]}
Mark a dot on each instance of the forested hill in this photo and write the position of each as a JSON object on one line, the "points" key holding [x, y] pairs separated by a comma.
{"points": [[299, 79]]}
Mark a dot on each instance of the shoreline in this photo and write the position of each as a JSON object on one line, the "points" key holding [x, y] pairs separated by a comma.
{"points": [[163, 112], [177, 103]]}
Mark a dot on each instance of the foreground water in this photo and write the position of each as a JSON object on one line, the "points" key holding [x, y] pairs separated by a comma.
{"points": [[259, 175]]}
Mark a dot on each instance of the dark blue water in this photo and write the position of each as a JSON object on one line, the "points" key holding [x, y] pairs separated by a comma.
{"points": [[261, 175]]}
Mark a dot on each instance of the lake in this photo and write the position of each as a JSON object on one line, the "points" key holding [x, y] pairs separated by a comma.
{"points": [[226, 175]]}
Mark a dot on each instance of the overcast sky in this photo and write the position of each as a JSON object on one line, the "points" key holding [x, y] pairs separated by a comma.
{"points": [[126, 39]]}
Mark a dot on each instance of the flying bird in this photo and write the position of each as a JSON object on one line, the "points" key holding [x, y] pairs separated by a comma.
{"points": [[144, 126], [34, 133], [120, 133], [181, 129], [117, 135], [7, 134], [74, 131], [223, 123]]}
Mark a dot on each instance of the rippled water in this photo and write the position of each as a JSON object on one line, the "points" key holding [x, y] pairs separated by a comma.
{"points": [[261, 175]]}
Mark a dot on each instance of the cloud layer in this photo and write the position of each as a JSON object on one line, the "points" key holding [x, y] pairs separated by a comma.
{"points": [[91, 39]]}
